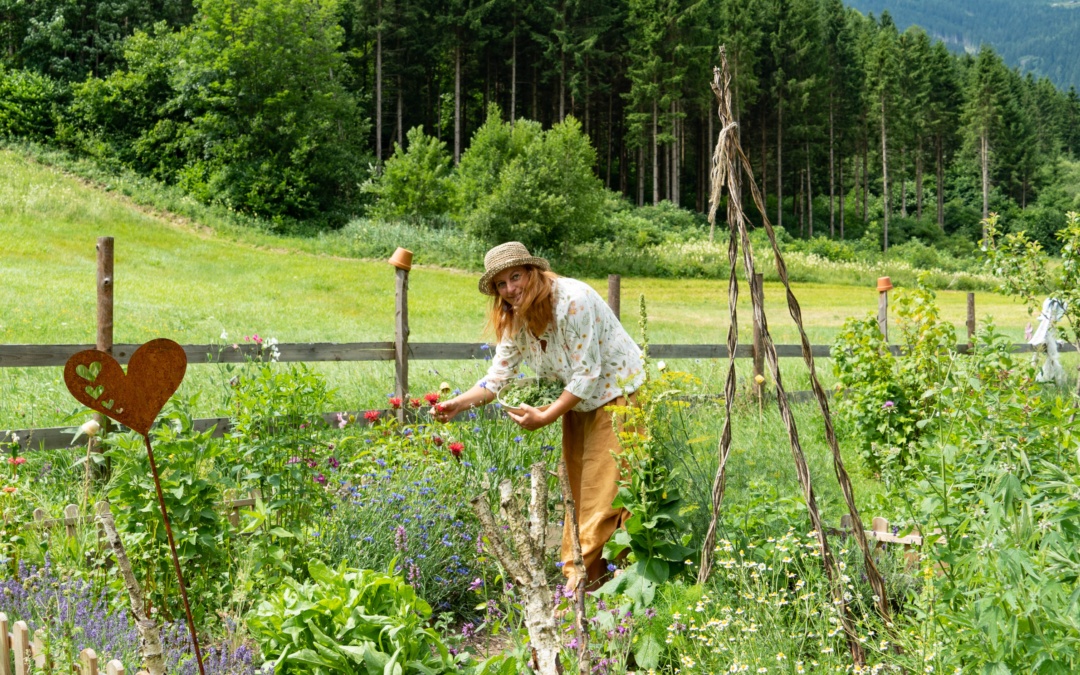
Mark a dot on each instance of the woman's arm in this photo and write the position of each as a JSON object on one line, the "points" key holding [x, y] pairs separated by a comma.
{"points": [[474, 398], [532, 419]]}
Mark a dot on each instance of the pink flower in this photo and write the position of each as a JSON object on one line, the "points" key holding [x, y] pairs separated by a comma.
{"points": [[341, 420]]}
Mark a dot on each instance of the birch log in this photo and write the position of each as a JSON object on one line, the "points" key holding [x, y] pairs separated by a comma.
{"points": [[149, 630], [525, 564]]}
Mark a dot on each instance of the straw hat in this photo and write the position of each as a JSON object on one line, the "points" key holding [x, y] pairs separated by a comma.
{"points": [[505, 256]]}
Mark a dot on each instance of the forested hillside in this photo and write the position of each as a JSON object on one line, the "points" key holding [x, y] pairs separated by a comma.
{"points": [[1035, 35], [290, 109]]}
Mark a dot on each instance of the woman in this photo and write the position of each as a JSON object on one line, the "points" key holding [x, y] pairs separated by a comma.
{"points": [[563, 329]]}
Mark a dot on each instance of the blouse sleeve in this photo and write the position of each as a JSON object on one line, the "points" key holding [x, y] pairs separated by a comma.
{"points": [[580, 336], [504, 366]]}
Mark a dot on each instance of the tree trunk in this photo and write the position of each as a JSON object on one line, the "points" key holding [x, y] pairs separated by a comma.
{"points": [[885, 179], [940, 184], [655, 154], [764, 159], [641, 175], [400, 115], [534, 116], [841, 199], [610, 128], [832, 178], [457, 101], [918, 180], [903, 182], [799, 206], [865, 168], [809, 193], [673, 168], [513, 77], [562, 85], [378, 83], [985, 159], [779, 163]]}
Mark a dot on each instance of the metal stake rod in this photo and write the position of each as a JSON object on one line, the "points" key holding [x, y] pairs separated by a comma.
{"points": [[176, 560]]}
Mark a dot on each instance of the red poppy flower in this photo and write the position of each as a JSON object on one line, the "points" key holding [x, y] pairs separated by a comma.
{"points": [[371, 416], [395, 403], [438, 441], [415, 402], [432, 398], [455, 450]]}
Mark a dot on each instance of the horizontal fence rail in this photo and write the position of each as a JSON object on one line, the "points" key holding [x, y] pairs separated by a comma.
{"points": [[37, 356]]}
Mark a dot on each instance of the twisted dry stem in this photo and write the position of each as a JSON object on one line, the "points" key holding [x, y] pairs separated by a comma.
{"points": [[728, 159], [525, 566]]}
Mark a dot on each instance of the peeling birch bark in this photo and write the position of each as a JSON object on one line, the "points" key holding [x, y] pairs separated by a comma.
{"points": [[149, 631], [526, 565]]}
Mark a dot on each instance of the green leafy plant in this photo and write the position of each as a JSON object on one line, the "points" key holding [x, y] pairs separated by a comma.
{"points": [[656, 534], [347, 621], [883, 396]]}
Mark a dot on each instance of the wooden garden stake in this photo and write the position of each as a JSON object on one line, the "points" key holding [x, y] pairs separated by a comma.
{"points": [[134, 399], [614, 291], [105, 287], [581, 627], [971, 321], [402, 260]]}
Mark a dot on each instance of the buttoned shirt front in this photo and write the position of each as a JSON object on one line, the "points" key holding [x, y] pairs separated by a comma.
{"points": [[587, 349]]}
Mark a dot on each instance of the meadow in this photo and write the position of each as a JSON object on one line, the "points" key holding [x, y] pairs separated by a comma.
{"points": [[177, 279]]}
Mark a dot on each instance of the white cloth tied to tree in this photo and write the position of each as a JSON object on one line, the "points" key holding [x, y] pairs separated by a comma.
{"points": [[1052, 371]]}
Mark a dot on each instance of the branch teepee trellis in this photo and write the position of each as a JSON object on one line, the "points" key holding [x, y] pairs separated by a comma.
{"points": [[729, 165]]}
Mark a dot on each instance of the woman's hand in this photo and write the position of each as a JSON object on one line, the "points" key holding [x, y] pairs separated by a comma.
{"points": [[447, 410], [474, 398], [530, 418]]}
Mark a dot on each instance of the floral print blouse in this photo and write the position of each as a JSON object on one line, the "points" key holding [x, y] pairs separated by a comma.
{"points": [[587, 349]]}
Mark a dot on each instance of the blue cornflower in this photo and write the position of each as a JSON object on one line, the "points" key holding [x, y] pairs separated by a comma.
{"points": [[484, 347], [611, 568], [476, 430], [492, 470], [457, 392], [483, 385], [518, 439], [528, 475], [559, 564]]}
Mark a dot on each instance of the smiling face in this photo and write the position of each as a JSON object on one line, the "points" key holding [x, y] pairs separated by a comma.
{"points": [[511, 283]]}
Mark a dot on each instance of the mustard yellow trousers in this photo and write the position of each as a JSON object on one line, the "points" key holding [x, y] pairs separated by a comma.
{"points": [[588, 441]]}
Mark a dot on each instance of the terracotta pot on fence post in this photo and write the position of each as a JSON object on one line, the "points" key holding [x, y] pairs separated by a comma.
{"points": [[884, 285]]}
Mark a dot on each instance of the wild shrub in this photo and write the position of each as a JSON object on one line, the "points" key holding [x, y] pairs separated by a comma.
{"points": [[29, 102], [415, 182]]}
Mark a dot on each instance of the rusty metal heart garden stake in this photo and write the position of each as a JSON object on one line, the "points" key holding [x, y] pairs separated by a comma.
{"points": [[134, 399]]}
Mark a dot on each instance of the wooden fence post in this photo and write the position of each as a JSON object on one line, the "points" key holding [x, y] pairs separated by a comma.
{"points": [[883, 287], [758, 288], [71, 518], [20, 644], [5, 646], [402, 260], [971, 321], [104, 323], [614, 282]]}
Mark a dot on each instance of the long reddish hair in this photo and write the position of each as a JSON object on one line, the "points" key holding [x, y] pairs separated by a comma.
{"points": [[536, 312]]}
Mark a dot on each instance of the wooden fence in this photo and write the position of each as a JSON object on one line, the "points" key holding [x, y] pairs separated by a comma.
{"points": [[401, 351], [31, 655]]}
